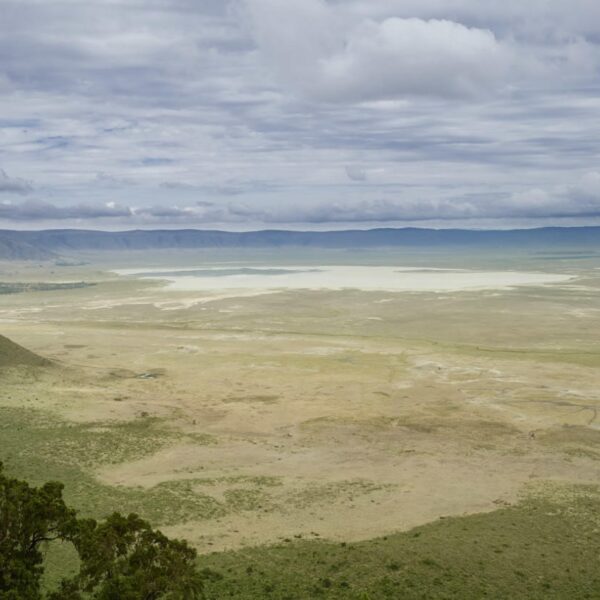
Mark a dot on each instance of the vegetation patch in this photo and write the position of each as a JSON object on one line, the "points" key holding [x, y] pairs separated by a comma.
{"points": [[374, 429], [261, 399], [242, 499], [39, 447], [16, 288], [334, 491], [571, 434], [544, 548], [84, 445], [574, 440]]}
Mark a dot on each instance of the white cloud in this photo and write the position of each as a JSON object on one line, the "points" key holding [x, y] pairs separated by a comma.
{"points": [[354, 52], [399, 57], [318, 51], [579, 199]]}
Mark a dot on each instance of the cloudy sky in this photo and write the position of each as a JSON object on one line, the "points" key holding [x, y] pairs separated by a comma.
{"points": [[305, 114]]}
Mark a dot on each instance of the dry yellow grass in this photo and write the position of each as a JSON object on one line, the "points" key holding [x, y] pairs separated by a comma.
{"points": [[348, 414]]}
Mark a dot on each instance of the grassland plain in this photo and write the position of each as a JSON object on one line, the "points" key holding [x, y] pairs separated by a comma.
{"points": [[327, 415]]}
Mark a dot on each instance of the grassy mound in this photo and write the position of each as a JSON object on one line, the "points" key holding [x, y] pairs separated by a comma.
{"points": [[13, 355], [545, 547]]}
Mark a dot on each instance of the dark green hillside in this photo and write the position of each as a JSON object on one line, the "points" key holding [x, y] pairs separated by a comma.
{"points": [[13, 355]]}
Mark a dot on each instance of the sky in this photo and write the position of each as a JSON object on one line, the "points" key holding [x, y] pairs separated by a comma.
{"points": [[299, 114]]}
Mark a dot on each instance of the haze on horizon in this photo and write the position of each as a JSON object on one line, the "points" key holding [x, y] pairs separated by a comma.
{"points": [[300, 114]]}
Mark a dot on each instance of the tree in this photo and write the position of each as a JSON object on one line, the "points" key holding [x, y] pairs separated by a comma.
{"points": [[28, 517], [121, 558]]}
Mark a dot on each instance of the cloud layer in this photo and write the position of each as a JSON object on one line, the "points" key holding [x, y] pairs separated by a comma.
{"points": [[580, 199], [14, 185], [307, 113]]}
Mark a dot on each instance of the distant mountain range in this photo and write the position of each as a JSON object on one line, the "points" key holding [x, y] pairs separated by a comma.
{"points": [[18, 249], [51, 243]]}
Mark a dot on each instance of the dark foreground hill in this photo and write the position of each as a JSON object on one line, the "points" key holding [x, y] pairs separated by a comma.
{"points": [[48, 243], [13, 355]]}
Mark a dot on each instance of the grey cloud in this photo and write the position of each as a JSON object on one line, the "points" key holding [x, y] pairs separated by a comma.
{"points": [[365, 211], [355, 173], [228, 187], [199, 212], [33, 210], [177, 185], [299, 111], [576, 200], [234, 187], [14, 185], [89, 50], [112, 181]]}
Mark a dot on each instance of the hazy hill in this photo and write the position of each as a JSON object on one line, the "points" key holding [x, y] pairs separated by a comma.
{"points": [[48, 243], [16, 249], [13, 355]]}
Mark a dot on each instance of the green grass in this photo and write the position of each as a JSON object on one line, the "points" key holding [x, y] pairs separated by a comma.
{"points": [[77, 444], [546, 547], [334, 491], [17, 288], [38, 447]]}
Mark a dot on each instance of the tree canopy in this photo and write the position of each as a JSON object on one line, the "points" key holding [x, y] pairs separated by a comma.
{"points": [[121, 557]]}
